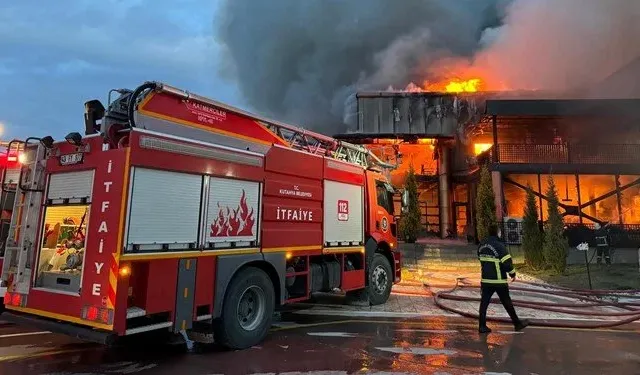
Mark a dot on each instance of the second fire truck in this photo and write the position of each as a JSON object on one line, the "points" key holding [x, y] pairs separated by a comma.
{"points": [[175, 212]]}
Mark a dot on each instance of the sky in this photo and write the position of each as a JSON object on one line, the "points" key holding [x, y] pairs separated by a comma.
{"points": [[296, 61], [55, 57]]}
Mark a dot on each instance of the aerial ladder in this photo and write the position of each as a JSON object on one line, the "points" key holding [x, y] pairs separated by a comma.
{"points": [[132, 103]]}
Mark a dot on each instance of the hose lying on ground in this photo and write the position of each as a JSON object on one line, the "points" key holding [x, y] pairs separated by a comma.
{"points": [[632, 314], [584, 299]]}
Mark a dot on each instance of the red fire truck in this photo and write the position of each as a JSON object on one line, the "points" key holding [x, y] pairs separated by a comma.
{"points": [[175, 212]]}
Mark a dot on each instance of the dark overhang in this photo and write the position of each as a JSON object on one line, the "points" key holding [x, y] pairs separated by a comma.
{"points": [[400, 94], [563, 107], [369, 137]]}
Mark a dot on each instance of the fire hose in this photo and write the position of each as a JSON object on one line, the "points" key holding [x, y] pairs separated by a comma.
{"points": [[584, 299]]}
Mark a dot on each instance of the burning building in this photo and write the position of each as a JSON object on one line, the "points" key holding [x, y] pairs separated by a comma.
{"points": [[590, 146]]}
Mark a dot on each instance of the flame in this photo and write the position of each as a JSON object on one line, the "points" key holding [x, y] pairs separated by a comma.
{"points": [[456, 85], [479, 148], [236, 223]]}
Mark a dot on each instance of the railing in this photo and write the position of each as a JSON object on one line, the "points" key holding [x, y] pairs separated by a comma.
{"points": [[620, 235], [569, 153]]}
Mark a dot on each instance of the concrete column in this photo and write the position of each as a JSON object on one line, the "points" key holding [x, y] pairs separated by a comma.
{"points": [[444, 191], [496, 181]]}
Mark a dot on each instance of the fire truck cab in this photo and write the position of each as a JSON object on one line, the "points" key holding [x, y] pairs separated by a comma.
{"points": [[175, 212]]}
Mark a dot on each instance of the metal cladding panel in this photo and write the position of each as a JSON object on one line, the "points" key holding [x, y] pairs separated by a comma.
{"points": [[434, 115], [169, 127], [205, 280], [71, 185], [185, 294], [343, 212], [343, 172], [403, 123], [12, 176], [196, 114], [59, 303], [165, 207], [161, 286], [161, 152], [292, 214], [232, 210], [293, 162]]}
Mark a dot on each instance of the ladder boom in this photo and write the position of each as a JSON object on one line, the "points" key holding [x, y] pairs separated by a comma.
{"points": [[168, 103]]}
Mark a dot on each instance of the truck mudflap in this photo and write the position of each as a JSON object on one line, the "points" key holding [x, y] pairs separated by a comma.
{"points": [[69, 329]]}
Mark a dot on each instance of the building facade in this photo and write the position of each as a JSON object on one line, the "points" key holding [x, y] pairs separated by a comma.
{"points": [[590, 147]]}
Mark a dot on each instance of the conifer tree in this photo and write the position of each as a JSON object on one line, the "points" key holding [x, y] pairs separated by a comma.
{"points": [[410, 223], [485, 205], [532, 239], [555, 246]]}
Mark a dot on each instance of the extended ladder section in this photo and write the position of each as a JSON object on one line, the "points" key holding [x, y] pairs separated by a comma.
{"points": [[319, 144], [152, 104], [21, 245]]}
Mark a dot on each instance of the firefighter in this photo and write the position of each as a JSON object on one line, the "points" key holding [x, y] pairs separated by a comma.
{"points": [[602, 243], [496, 263]]}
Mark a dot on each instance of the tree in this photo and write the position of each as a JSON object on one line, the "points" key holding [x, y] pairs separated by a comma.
{"points": [[485, 205], [410, 223], [532, 239], [555, 246]]}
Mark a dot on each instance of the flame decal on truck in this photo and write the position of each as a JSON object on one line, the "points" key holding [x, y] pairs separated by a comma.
{"points": [[238, 223]]}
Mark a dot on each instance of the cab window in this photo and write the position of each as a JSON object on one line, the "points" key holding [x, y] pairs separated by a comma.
{"points": [[384, 192]]}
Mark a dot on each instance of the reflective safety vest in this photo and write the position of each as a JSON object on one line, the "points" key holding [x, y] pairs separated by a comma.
{"points": [[495, 261], [601, 237]]}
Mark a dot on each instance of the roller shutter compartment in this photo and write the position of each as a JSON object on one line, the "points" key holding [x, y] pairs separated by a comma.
{"points": [[164, 210], [343, 214], [232, 214], [71, 186]]}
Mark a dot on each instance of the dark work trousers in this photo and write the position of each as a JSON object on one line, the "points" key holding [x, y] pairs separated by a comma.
{"points": [[503, 293], [603, 250]]}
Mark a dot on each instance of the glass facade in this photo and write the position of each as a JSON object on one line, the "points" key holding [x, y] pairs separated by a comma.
{"points": [[605, 198], [430, 208]]}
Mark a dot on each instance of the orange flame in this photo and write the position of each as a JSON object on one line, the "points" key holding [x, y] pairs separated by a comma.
{"points": [[456, 86]]}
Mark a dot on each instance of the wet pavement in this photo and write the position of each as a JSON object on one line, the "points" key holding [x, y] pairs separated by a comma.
{"points": [[301, 344]]}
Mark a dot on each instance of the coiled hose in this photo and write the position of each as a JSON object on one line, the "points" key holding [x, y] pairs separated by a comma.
{"points": [[584, 299]]}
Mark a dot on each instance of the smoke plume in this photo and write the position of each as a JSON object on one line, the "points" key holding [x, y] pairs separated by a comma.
{"points": [[560, 45], [303, 61]]}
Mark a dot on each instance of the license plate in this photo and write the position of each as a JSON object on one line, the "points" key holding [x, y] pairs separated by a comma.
{"points": [[71, 159]]}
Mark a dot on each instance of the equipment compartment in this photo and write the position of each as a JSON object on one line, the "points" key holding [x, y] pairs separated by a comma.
{"points": [[63, 248]]}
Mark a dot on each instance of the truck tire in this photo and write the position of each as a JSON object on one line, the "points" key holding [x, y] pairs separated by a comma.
{"points": [[247, 310], [380, 280]]}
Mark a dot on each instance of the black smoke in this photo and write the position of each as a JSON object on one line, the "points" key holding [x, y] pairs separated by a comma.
{"points": [[302, 61]]}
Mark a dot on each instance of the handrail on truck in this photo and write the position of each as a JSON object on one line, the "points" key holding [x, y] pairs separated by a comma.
{"points": [[23, 187]]}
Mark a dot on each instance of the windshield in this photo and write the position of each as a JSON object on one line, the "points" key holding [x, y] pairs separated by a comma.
{"points": [[385, 192]]}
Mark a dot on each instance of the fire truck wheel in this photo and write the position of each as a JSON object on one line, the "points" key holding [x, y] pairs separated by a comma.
{"points": [[380, 280], [247, 310]]}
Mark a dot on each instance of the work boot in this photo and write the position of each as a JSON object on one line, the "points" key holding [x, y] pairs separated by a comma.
{"points": [[521, 325], [484, 329]]}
